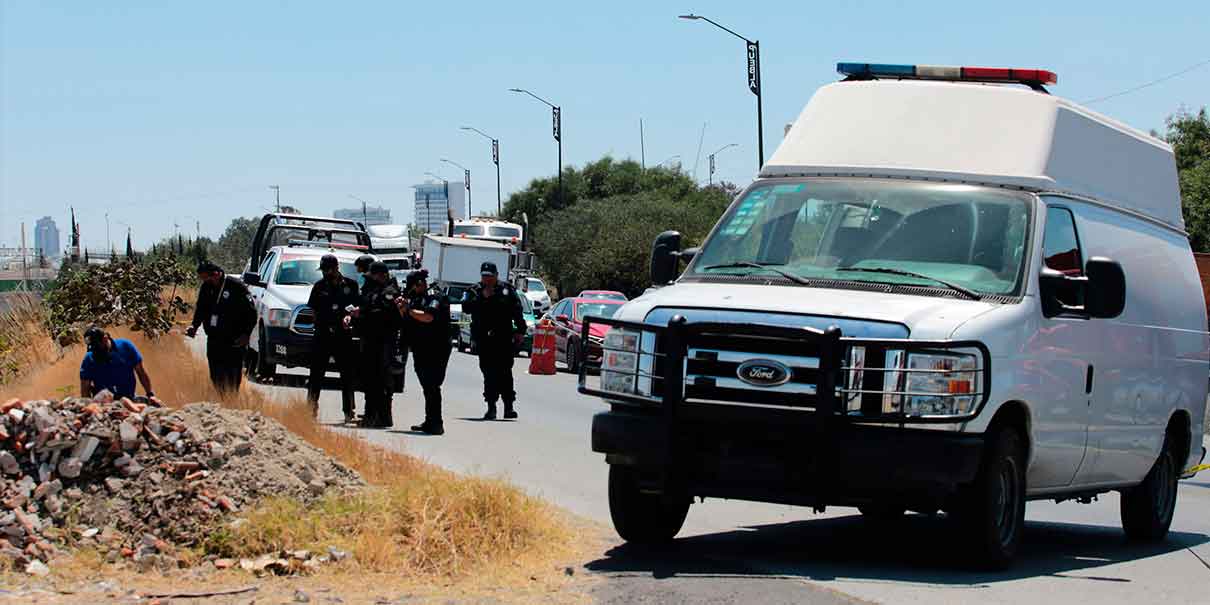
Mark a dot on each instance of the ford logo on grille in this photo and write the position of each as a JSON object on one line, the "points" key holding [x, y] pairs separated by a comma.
{"points": [[763, 372]]}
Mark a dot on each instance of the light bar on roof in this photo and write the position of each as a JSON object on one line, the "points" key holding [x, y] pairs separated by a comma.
{"points": [[946, 72]]}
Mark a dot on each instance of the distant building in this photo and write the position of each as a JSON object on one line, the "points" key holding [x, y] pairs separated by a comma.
{"points": [[431, 204], [373, 215], [46, 238]]}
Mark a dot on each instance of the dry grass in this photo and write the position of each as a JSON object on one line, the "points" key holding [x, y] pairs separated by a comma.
{"points": [[416, 519], [23, 340]]}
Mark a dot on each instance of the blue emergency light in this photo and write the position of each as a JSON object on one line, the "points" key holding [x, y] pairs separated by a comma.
{"points": [[862, 71]]}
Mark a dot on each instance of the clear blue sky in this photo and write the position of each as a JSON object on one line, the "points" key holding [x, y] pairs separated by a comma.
{"points": [[166, 111]]}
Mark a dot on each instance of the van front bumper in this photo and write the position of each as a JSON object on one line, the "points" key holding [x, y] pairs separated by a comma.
{"points": [[783, 459]]}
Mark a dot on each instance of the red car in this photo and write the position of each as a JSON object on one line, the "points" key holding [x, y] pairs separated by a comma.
{"points": [[568, 316], [603, 295]]}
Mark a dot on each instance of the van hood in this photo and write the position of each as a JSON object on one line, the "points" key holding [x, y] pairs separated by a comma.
{"points": [[857, 313]]}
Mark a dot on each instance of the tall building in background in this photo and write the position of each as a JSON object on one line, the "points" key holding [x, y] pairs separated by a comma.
{"points": [[46, 238], [431, 204], [373, 215]]}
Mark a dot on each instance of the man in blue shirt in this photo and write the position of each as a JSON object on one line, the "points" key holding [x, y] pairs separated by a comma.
{"points": [[111, 364]]}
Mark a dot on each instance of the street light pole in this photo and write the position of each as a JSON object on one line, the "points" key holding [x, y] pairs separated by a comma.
{"points": [[753, 50], [276, 196], [720, 149], [556, 115], [466, 173], [495, 160]]}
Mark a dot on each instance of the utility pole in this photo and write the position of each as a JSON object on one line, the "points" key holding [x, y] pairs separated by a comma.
{"points": [[276, 196], [24, 262], [642, 147]]}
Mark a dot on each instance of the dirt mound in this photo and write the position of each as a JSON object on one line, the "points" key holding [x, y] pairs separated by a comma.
{"points": [[138, 481]]}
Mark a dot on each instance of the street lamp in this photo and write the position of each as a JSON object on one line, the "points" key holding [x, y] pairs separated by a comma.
{"points": [[720, 149], [556, 114], [364, 218], [276, 196], [467, 177], [753, 49], [495, 160]]}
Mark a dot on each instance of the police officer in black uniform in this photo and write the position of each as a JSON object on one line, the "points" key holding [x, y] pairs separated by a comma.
{"points": [[330, 299], [377, 320], [426, 319], [226, 313], [497, 326]]}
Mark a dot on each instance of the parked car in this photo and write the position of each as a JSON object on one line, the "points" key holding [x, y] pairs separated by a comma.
{"points": [[603, 294], [465, 343], [535, 290], [568, 317]]}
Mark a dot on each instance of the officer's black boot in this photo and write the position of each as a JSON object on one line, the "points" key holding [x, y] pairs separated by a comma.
{"points": [[491, 411], [509, 412]]}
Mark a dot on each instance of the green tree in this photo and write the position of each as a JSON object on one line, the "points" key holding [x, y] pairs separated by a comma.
{"points": [[121, 292], [234, 247], [1189, 135], [605, 242]]}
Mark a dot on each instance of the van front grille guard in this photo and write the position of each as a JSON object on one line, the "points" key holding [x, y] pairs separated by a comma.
{"points": [[657, 356]]}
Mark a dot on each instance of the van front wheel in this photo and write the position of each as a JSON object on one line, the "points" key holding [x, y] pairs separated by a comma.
{"points": [[1147, 509], [991, 512], [639, 517]]}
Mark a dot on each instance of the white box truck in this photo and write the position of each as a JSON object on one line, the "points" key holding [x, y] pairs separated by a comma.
{"points": [[454, 265], [946, 291]]}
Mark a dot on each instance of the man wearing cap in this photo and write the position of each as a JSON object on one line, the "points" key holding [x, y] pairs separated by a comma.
{"points": [[330, 299], [225, 311], [426, 319], [112, 364], [376, 319], [497, 326], [363, 263]]}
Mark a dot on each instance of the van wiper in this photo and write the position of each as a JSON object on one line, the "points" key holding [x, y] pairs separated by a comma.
{"points": [[967, 292], [798, 279]]}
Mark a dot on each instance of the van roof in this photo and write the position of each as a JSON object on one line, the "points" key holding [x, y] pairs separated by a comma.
{"points": [[979, 133]]}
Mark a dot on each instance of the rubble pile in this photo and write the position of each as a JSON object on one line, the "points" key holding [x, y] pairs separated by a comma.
{"points": [[138, 482]]}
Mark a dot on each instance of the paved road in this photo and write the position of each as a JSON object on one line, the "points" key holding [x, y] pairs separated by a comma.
{"points": [[743, 552]]}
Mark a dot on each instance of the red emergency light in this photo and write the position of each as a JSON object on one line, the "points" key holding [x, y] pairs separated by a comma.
{"points": [[867, 71]]}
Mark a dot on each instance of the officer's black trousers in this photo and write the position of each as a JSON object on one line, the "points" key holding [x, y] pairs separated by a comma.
{"points": [[496, 363], [430, 363], [226, 361], [340, 347], [376, 353]]}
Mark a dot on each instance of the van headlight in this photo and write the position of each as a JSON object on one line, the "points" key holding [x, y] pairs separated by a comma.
{"points": [[279, 318], [932, 384], [620, 361]]}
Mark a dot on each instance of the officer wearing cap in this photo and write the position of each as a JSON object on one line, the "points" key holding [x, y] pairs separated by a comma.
{"points": [[363, 263], [426, 319], [112, 364], [498, 326], [330, 299], [376, 319], [225, 311]]}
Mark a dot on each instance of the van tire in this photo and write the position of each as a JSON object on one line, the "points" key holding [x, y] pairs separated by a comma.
{"points": [[641, 518], [991, 512], [1148, 508]]}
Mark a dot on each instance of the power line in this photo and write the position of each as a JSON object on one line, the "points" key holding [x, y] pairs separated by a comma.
{"points": [[1151, 83]]}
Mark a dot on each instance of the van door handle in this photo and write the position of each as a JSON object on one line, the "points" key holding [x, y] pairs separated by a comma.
{"points": [[1088, 381]]}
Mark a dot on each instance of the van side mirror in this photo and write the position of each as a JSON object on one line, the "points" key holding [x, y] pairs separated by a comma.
{"points": [[251, 278], [688, 254], [1105, 294], [664, 257]]}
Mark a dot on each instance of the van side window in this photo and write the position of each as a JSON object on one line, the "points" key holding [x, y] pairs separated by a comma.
{"points": [[1061, 246]]}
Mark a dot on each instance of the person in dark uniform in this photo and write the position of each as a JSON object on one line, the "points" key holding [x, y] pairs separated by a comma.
{"points": [[226, 313], [330, 299], [377, 320], [426, 319], [363, 263], [497, 326]]}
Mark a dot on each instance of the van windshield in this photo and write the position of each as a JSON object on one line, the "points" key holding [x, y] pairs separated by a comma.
{"points": [[873, 231]]}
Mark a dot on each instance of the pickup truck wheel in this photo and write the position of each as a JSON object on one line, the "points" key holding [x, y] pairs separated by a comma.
{"points": [[991, 512], [1147, 509], [642, 518], [882, 513], [263, 369]]}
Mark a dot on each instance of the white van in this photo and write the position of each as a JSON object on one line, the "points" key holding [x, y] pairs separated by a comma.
{"points": [[945, 292]]}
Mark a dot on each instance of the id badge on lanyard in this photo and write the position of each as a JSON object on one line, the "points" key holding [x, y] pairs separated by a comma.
{"points": [[217, 299]]}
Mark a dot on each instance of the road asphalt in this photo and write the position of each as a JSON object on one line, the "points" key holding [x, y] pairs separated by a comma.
{"points": [[740, 552]]}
